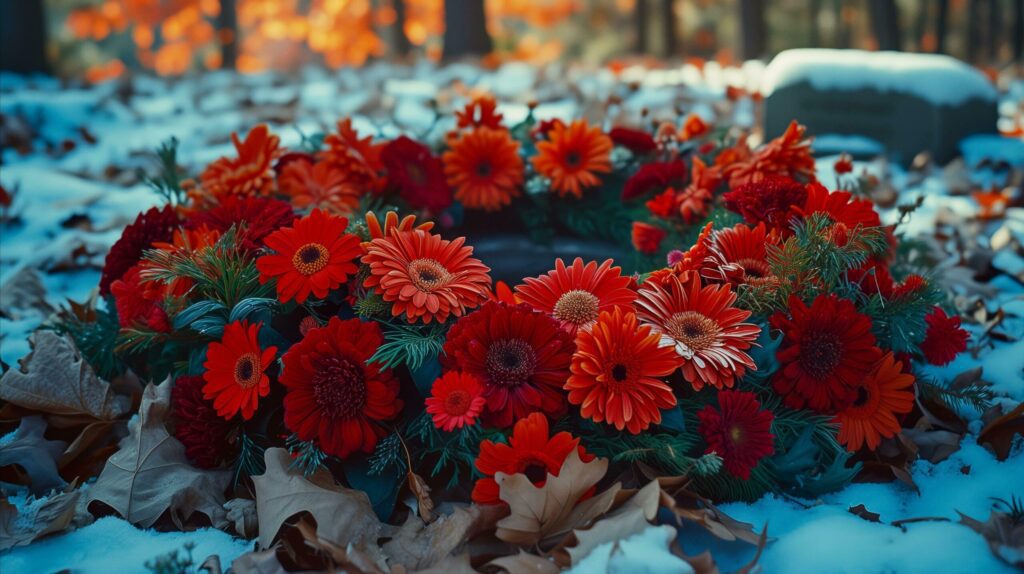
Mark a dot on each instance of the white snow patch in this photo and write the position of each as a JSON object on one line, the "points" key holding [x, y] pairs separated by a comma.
{"points": [[980, 147], [643, 553]]}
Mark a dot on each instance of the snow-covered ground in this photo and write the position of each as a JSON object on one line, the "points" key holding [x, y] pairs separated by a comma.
{"points": [[76, 188]]}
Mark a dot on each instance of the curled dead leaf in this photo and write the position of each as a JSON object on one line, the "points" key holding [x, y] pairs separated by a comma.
{"points": [[1004, 535], [1000, 432], [862, 511], [30, 450], [53, 515], [416, 545]]}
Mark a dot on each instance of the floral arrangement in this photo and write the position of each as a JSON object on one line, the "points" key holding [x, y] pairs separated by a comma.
{"points": [[765, 336]]}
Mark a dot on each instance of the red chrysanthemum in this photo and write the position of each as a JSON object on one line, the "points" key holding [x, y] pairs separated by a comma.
{"points": [[884, 393], [738, 431], [655, 177], [844, 164], [335, 396], [149, 227], [205, 434], [788, 155], [770, 201], [235, 366], [693, 128], [573, 156], [322, 185], [359, 158], [617, 370], [530, 451], [138, 303], [826, 351], [313, 256], [424, 277], [647, 238], [416, 173], [485, 169], [251, 173], [739, 256], [703, 327], [456, 400], [254, 217], [575, 295], [637, 141], [480, 112], [520, 355], [944, 338], [840, 206]]}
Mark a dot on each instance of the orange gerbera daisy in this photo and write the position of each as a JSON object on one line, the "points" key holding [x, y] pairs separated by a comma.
{"points": [[251, 173], [703, 327], [576, 295], [884, 393], [391, 225], [572, 156], [358, 157], [313, 256], [740, 256], [479, 112], [456, 400], [425, 277], [235, 366], [616, 370], [485, 169], [530, 451], [321, 185]]}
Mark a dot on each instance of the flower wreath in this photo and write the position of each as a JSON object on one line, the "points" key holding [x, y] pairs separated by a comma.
{"points": [[764, 337]]}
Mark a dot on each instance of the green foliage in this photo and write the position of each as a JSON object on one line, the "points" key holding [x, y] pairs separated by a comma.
{"points": [[807, 467], [167, 184], [250, 460], [389, 455], [173, 563], [975, 394], [599, 215], [665, 451], [96, 336], [724, 486], [410, 345], [208, 318], [307, 455], [451, 453]]}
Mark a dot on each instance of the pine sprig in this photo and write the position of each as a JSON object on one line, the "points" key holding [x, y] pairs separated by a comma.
{"points": [[167, 183], [410, 345], [976, 394], [307, 455], [250, 460]]}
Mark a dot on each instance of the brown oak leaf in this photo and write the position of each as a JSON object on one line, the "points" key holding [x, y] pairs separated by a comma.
{"points": [[625, 521], [862, 511], [241, 513], [691, 507], [416, 545], [541, 515], [999, 433], [524, 563], [23, 291], [51, 516], [55, 379], [149, 474], [342, 516], [30, 450], [1005, 537]]}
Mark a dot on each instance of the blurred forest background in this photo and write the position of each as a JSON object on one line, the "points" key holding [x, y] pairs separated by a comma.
{"points": [[102, 39]]}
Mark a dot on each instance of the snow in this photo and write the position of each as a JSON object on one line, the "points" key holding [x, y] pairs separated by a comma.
{"points": [[858, 146], [113, 545], [980, 147], [643, 553], [928, 76]]}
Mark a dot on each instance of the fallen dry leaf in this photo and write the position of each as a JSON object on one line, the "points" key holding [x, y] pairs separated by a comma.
{"points": [[342, 516], [691, 507], [262, 562], [241, 512], [416, 545], [421, 491], [524, 563], [55, 379], [1000, 432], [934, 445], [1004, 536], [51, 516], [23, 291], [540, 515], [357, 559], [30, 450], [150, 474], [862, 511], [625, 521]]}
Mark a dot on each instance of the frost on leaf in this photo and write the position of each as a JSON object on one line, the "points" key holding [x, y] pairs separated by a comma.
{"points": [[150, 475], [54, 379], [50, 516]]}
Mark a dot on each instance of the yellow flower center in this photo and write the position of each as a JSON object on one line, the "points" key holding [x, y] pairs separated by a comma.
{"points": [[577, 306], [310, 258]]}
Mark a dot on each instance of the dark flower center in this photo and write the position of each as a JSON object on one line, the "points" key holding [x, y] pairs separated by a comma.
{"points": [[620, 372], [754, 268], [339, 388], [310, 258], [695, 330], [534, 468], [248, 370], [457, 403], [820, 353], [483, 169], [573, 159], [577, 306], [510, 362], [428, 275], [415, 173], [862, 397]]}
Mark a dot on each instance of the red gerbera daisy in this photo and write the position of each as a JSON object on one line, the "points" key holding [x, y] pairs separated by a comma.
{"points": [[573, 156], [321, 185], [740, 256], [425, 277], [485, 169], [149, 227], [637, 141], [456, 400], [770, 201], [647, 238], [839, 206], [616, 373], [575, 295], [520, 355], [206, 436], [235, 366], [826, 351], [314, 256], [251, 173], [530, 451], [844, 164], [335, 396], [479, 112], [738, 431], [416, 173], [884, 393], [261, 216], [944, 339], [655, 177], [693, 128], [703, 327]]}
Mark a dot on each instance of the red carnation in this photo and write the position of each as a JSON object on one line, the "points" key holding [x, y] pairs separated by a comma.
{"points": [[770, 200], [206, 436], [944, 339], [261, 216], [637, 141], [417, 174], [138, 303], [655, 177], [738, 431], [153, 225]]}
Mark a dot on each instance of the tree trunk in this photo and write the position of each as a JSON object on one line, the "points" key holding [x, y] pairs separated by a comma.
{"points": [[814, 11], [23, 36], [668, 22], [643, 41], [842, 26], [941, 25], [994, 32], [753, 29], [885, 23], [1018, 31], [227, 31], [402, 44], [465, 29], [973, 30]]}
